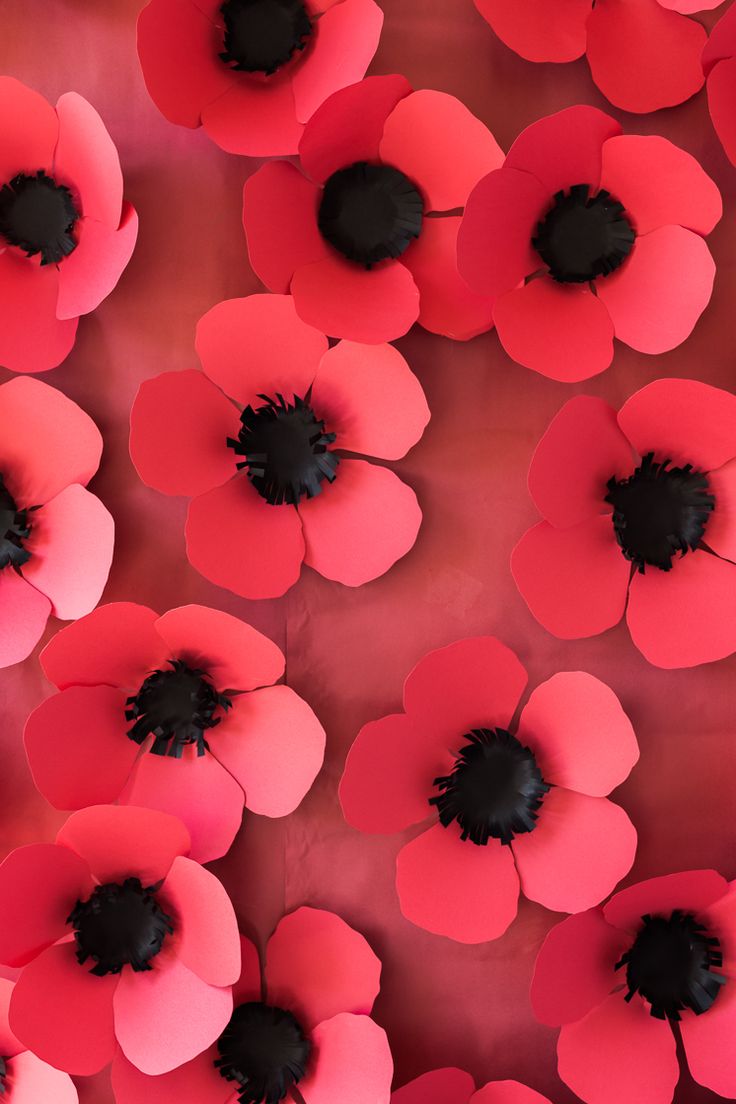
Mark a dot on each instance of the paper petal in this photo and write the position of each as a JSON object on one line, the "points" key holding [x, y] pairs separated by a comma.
{"points": [[32, 339], [92, 271], [722, 41], [30, 130], [442, 1086], [87, 161], [575, 969], [30, 1080], [118, 841], [25, 613], [565, 148], [722, 522], [690, 890], [708, 1042], [352, 1063], [721, 93], [280, 222], [507, 1092], [249, 986], [526, 27], [198, 1080], [208, 941], [255, 119]]}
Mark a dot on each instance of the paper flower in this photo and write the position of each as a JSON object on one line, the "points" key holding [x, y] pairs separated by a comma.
{"points": [[124, 943], [251, 72], [65, 233], [272, 488], [176, 713], [302, 1022], [454, 1086], [643, 54], [56, 539], [617, 978], [719, 65], [23, 1076], [639, 515], [527, 807], [355, 235], [586, 234]]}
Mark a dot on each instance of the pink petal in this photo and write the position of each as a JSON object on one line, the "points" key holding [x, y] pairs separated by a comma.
{"points": [[565, 148], [249, 986], [485, 885], [86, 160], [32, 339], [30, 1081], [689, 7], [352, 1063], [283, 352], [30, 129], [208, 941], [708, 1042], [273, 744], [25, 613], [692, 890], [720, 918], [575, 969], [361, 525], [721, 536], [117, 841], [94, 268], [369, 396], [255, 119], [9, 1045], [527, 29], [507, 1092], [441, 1086], [721, 94], [197, 1080]]}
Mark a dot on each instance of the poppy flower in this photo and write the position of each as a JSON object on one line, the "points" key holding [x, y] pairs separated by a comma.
{"points": [[272, 485], [639, 514], [301, 1023], [117, 934], [586, 234], [618, 978], [177, 713], [454, 1086], [65, 233], [364, 233], [652, 39], [56, 539], [719, 65], [251, 72], [23, 1076], [497, 808]]}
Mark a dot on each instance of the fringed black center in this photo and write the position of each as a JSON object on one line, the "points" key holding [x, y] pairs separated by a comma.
{"points": [[38, 215], [583, 236], [15, 527], [3, 1075], [263, 35], [671, 965], [495, 789], [119, 925], [285, 449], [370, 212], [659, 511], [176, 707], [264, 1050]]}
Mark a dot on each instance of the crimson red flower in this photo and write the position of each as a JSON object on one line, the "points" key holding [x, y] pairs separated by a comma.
{"points": [[23, 1076], [303, 1021], [272, 488], [56, 539], [176, 713], [454, 1086], [65, 233], [117, 933], [616, 978], [719, 65], [586, 234], [623, 494], [355, 236], [251, 72], [529, 807]]}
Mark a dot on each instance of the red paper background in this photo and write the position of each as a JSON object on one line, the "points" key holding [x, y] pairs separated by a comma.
{"points": [[348, 651]]}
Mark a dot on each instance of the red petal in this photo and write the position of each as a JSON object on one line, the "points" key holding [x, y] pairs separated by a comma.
{"points": [[565, 148], [32, 339], [30, 1080], [8, 1043], [87, 161], [30, 129], [708, 1042], [352, 1062], [527, 29], [507, 1092], [574, 970], [280, 223], [92, 271], [25, 613], [208, 941], [198, 1080], [249, 986], [255, 119], [720, 918], [116, 644], [691, 890], [721, 94], [722, 524], [442, 1086], [118, 841], [722, 41]]}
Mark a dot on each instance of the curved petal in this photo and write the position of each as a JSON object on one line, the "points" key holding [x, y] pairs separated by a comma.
{"points": [[197, 1080], [722, 41], [25, 613], [30, 129], [708, 1042], [722, 522], [692, 890], [254, 118], [441, 1086], [576, 968], [32, 338], [92, 271], [86, 160], [250, 985], [565, 148], [30, 1080], [721, 93], [119, 840], [527, 29], [208, 941], [507, 1092], [353, 1062]]}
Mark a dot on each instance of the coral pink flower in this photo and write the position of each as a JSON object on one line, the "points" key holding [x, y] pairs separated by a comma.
{"points": [[23, 1076], [586, 234], [65, 233], [302, 1022], [719, 64], [118, 934], [364, 235], [528, 808], [176, 713], [454, 1086], [251, 72]]}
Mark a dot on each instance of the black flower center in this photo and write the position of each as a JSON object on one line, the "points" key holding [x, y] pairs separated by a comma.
{"points": [[659, 511], [262, 35], [671, 964], [285, 449], [583, 236], [495, 789], [176, 706], [38, 215], [15, 527], [264, 1050], [121, 924], [370, 212]]}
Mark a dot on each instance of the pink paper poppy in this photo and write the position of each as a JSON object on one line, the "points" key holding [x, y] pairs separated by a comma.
{"points": [[56, 539], [177, 713], [251, 72], [272, 485], [364, 235], [587, 234], [639, 515], [124, 943], [643, 54], [65, 233], [527, 808], [454, 1086], [617, 978], [301, 1023], [24, 1078], [719, 64]]}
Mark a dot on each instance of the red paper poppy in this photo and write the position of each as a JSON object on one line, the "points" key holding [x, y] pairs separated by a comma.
{"points": [[24, 1078], [65, 233], [272, 486], [622, 495], [252, 72], [617, 978], [719, 64], [454, 1086], [56, 539], [302, 1021], [643, 54], [528, 808], [124, 943], [587, 234], [364, 236], [176, 713]]}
